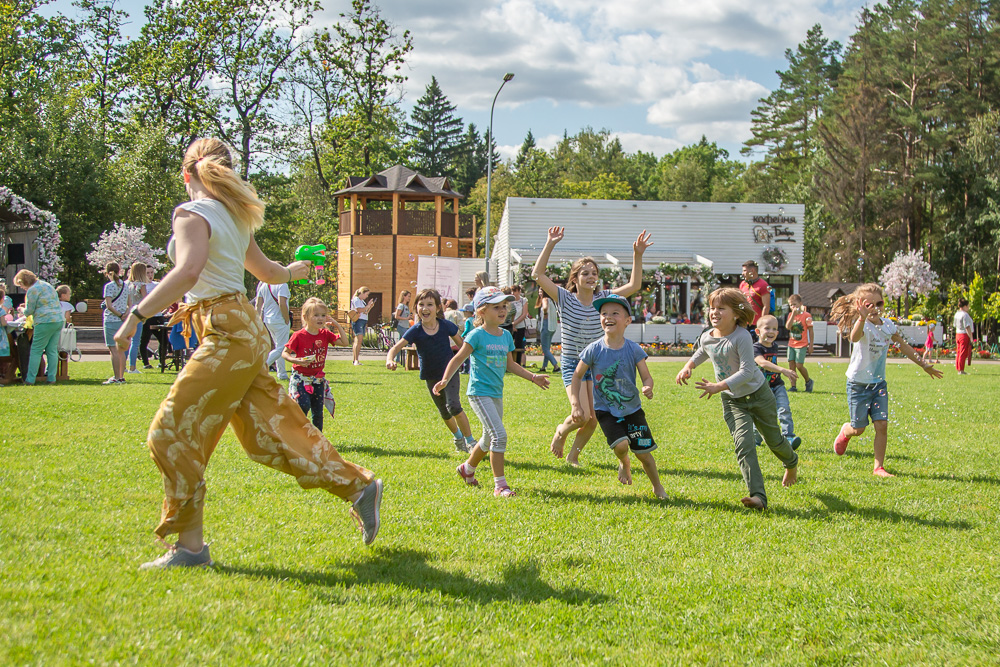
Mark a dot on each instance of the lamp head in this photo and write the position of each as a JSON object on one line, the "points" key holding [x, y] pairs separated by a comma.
{"points": [[508, 76]]}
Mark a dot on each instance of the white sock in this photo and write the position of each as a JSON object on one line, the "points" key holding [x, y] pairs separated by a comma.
{"points": [[469, 468], [500, 482]]}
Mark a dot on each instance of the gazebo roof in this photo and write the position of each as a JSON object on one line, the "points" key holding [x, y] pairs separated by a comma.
{"points": [[402, 180]]}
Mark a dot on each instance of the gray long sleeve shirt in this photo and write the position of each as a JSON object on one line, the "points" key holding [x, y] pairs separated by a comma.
{"points": [[732, 357]]}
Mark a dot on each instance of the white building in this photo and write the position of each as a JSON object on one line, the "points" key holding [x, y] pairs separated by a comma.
{"points": [[721, 235]]}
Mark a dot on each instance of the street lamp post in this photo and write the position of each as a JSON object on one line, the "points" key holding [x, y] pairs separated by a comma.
{"points": [[489, 167]]}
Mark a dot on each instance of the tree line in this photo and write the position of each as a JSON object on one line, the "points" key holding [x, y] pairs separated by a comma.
{"points": [[890, 141]]}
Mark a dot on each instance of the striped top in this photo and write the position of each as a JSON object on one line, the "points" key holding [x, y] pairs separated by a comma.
{"points": [[581, 325]]}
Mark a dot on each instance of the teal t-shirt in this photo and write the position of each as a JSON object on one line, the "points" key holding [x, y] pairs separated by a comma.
{"points": [[489, 362]]}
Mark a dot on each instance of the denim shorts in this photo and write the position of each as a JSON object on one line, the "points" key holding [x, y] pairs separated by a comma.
{"points": [[359, 326], [568, 366], [110, 329], [866, 400]]}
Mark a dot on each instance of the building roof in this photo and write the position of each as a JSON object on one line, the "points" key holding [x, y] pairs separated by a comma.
{"points": [[822, 295], [402, 180]]}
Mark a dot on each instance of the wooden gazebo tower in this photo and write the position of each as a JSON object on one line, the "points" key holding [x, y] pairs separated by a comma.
{"points": [[378, 248]]}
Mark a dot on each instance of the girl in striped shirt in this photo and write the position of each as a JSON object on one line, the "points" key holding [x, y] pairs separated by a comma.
{"points": [[581, 326]]}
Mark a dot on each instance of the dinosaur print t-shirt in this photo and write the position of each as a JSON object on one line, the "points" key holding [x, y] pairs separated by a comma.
{"points": [[614, 376]]}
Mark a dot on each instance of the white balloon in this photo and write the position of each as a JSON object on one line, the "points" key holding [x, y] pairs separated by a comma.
{"points": [[81, 307]]}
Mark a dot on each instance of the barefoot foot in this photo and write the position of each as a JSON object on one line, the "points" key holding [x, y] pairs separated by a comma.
{"points": [[559, 442], [753, 502], [573, 458], [660, 493], [882, 472], [625, 474], [791, 476]]}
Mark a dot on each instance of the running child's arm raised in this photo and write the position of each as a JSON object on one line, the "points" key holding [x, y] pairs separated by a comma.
{"points": [[912, 355], [634, 283], [538, 272]]}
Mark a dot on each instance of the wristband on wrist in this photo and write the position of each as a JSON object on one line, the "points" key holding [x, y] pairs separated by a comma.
{"points": [[289, 274], [135, 311]]}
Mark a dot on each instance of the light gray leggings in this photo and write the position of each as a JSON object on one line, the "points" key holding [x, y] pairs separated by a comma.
{"points": [[490, 413]]}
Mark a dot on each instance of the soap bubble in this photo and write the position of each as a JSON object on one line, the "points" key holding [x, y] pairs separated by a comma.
{"points": [[413, 283], [448, 244], [837, 256], [378, 267], [434, 254], [430, 243], [368, 256], [412, 258]]}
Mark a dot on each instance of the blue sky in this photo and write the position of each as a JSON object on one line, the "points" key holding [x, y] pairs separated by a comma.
{"points": [[658, 73]]}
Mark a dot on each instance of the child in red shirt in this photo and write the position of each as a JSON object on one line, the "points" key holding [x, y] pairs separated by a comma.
{"points": [[306, 350]]}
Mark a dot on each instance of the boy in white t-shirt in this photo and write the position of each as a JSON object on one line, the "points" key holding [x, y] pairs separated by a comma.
{"points": [[859, 316], [272, 304]]}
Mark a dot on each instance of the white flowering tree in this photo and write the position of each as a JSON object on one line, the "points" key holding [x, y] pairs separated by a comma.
{"points": [[906, 276], [125, 245], [49, 238]]}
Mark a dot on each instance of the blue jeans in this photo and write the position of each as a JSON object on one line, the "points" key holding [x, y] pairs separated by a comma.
{"points": [[401, 329], [45, 340], [133, 348], [546, 339], [784, 411]]}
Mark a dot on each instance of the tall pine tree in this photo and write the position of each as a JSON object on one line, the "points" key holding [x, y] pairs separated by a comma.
{"points": [[436, 133]]}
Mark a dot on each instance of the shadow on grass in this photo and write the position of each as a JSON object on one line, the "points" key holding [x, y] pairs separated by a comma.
{"points": [[410, 568], [961, 479], [381, 451], [834, 506], [560, 466]]}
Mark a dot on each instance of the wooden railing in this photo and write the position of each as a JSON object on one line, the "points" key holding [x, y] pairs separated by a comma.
{"points": [[411, 223]]}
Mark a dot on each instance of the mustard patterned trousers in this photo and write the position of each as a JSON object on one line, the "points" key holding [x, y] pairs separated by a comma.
{"points": [[226, 382]]}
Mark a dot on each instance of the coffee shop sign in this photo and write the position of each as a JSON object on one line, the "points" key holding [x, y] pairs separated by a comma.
{"points": [[773, 229]]}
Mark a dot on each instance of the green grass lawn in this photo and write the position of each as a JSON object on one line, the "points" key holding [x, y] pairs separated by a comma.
{"points": [[843, 568]]}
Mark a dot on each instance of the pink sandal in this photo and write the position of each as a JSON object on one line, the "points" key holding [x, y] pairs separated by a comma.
{"points": [[840, 442], [504, 492], [470, 478]]}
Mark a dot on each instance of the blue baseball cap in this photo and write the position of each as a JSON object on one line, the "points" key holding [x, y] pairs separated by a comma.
{"points": [[613, 298], [490, 294], [468, 308]]}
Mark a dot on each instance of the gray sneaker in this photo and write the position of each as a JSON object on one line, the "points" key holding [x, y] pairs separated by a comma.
{"points": [[179, 557], [809, 385], [365, 510], [460, 445]]}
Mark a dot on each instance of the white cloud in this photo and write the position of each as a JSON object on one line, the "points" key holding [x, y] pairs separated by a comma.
{"points": [[708, 101], [647, 143]]}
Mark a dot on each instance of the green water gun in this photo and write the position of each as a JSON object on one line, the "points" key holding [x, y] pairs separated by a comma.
{"points": [[315, 254]]}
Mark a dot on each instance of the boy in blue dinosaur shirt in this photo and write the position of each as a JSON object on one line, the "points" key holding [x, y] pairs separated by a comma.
{"points": [[617, 405], [765, 352]]}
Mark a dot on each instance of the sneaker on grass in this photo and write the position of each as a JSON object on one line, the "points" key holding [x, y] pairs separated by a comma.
{"points": [[179, 557], [365, 510], [460, 445], [809, 385]]}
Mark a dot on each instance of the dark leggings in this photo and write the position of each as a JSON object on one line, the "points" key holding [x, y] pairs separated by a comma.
{"points": [[147, 333], [449, 403], [313, 402], [519, 344]]}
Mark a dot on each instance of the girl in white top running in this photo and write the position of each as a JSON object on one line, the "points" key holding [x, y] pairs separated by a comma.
{"points": [[581, 326]]}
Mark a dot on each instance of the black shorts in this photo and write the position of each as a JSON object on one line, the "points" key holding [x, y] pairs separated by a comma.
{"points": [[632, 427]]}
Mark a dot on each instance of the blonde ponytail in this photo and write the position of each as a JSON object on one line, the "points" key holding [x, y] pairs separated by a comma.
{"points": [[211, 162]]}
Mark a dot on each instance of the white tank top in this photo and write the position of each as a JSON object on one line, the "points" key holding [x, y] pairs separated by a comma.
{"points": [[227, 252]]}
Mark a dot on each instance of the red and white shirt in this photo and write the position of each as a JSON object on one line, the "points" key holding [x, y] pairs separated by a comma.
{"points": [[304, 344]]}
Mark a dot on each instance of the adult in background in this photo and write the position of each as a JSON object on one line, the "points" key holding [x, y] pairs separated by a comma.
{"points": [[482, 279], [41, 303], [548, 322], [402, 317], [963, 336], [757, 292], [226, 381], [115, 308], [136, 293], [520, 308], [455, 316], [360, 307], [271, 304], [157, 320]]}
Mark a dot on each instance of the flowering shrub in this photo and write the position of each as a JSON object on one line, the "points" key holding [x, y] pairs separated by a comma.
{"points": [[124, 245], [908, 275], [49, 238]]}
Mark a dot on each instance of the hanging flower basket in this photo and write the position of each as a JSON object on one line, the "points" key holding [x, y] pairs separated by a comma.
{"points": [[49, 238], [774, 258]]}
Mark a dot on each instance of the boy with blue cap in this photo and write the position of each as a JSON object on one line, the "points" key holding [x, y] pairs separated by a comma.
{"points": [[617, 405]]}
